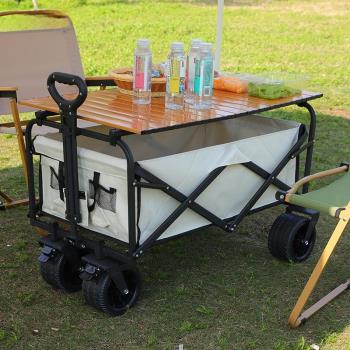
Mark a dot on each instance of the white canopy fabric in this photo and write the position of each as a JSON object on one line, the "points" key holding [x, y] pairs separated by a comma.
{"points": [[219, 27]]}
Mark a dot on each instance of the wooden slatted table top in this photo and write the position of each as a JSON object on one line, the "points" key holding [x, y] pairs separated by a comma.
{"points": [[116, 110]]}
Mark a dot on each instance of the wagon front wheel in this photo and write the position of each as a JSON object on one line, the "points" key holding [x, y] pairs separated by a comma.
{"points": [[103, 293], [287, 238], [60, 273]]}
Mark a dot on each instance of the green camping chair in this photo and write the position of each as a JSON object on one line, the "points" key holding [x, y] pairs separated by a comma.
{"points": [[333, 200]]}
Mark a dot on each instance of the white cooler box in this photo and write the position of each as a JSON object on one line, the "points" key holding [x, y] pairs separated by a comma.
{"points": [[182, 158]]}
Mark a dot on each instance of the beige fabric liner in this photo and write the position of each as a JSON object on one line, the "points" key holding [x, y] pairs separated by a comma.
{"points": [[181, 140]]}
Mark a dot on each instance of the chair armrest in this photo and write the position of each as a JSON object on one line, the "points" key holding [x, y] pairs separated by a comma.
{"points": [[25, 122], [12, 124], [99, 77], [48, 13], [8, 92], [100, 81], [316, 176], [8, 125], [7, 89]]}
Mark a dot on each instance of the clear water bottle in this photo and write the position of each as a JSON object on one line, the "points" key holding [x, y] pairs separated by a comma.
{"points": [[193, 55], [204, 77], [175, 77], [142, 72]]}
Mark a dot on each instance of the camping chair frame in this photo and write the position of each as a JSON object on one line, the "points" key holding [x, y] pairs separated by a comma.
{"points": [[11, 93], [102, 259], [298, 316]]}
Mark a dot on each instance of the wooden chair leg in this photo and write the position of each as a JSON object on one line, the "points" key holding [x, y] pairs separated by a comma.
{"points": [[6, 197], [324, 301], [20, 139], [296, 318], [16, 203], [41, 232], [10, 203]]}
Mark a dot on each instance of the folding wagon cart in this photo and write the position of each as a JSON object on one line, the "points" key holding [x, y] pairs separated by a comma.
{"points": [[147, 175]]}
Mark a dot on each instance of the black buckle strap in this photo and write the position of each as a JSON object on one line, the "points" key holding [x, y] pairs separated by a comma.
{"points": [[138, 195], [60, 178], [95, 183]]}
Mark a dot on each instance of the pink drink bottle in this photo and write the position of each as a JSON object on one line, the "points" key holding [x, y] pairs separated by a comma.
{"points": [[142, 73]]}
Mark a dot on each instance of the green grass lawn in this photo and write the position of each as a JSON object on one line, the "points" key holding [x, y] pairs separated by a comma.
{"points": [[211, 290]]}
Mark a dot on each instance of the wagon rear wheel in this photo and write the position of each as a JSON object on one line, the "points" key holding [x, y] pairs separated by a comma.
{"points": [[103, 294], [287, 238]]}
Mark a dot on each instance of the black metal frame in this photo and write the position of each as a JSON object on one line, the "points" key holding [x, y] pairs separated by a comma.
{"points": [[138, 177]]}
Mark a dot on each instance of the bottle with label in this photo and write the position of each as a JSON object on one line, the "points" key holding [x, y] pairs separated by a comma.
{"points": [[204, 77], [142, 72], [193, 55], [175, 77]]}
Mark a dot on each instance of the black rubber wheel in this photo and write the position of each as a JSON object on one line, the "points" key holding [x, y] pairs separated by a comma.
{"points": [[58, 272], [286, 239], [103, 294]]}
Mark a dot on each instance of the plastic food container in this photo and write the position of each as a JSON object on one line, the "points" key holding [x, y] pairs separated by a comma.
{"points": [[230, 82], [275, 85]]}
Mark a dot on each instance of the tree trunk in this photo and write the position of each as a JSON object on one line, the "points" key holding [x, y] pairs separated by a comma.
{"points": [[35, 4]]}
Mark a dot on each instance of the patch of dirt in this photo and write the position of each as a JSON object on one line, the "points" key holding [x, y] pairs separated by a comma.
{"points": [[338, 112], [320, 7]]}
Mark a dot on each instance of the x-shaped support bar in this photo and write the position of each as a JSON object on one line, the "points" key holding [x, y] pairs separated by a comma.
{"points": [[189, 201], [186, 202]]}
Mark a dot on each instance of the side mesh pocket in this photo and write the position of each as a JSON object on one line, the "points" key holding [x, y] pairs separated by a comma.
{"points": [[105, 198]]}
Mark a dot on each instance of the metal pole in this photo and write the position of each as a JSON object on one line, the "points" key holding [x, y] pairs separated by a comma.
{"points": [[219, 25], [311, 140]]}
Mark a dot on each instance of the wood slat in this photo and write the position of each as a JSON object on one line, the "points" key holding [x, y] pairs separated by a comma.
{"points": [[116, 110]]}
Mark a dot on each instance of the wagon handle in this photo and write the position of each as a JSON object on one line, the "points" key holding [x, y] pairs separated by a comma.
{"points": [[68, 79]]}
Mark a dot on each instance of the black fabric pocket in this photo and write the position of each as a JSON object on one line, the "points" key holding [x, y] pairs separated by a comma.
{"points": [[57, 180]]}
